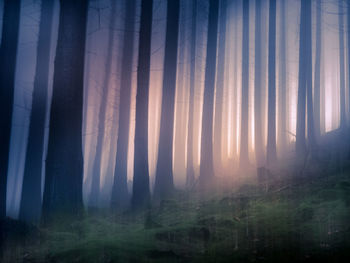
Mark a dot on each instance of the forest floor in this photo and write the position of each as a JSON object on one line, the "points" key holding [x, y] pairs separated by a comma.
{"points": [[297, 221]]}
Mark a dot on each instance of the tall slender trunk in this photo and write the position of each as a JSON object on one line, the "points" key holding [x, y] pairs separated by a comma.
{"points": [[8, 55], [317, 81], [190, 169], [271, 155], [64, 163], [96, 170], [141, 191], [120, 194], [244, 155], [30, 207], [220, 82], [341, 64], [258, 88], [283, 104], [164, 175], [206, 162]]}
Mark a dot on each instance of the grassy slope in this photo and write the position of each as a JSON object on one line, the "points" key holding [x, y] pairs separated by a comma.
{"points": [[305, 221]]}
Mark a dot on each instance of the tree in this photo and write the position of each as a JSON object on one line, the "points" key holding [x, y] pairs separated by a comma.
{"points": [[305, 82], [120, 188], [259, 152], [190, 169], [271, 155], [96, 170], [30, 206], [317, 81], [244, 157], [140, 191], [283, 80], [64, 163], [341, 65], [164, 175], [8, 55], [206, 162], [220, 80]]}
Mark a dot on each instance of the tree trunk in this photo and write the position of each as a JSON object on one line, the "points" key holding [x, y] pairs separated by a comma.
{"points": [[317, 82], [30, 207], [64, 163], [244, 157], [8, 55], [271, 155], [141, 192], [96, 170], [164, 175], [120, 194], [341, 65], [206, 162], [190, 169], [220, 82], [259, 152]]}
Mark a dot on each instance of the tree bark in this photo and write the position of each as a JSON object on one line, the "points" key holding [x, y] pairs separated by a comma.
{"points": [[8, 56]]}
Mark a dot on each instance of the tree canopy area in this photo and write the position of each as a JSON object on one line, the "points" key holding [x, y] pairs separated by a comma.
{"points": [[174, 131]]}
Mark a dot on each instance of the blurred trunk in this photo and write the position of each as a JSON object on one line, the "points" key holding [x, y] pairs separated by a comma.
{"points": [[206, 162], [164, 184], [141, 191], [64, 162], [341, 64], [30, 207], [8, 55], [317, 82], [120, 195]]}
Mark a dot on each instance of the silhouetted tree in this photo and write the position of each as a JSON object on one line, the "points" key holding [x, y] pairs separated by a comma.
{"points": [[220, 80], [30, 207], [271, 155], [317, 81], [96, 170], [190, 169], [164, 175], [206, 162], [244, 157], [8, 55], [140, 191], [120, 194], [341, 64], [64, 163]]}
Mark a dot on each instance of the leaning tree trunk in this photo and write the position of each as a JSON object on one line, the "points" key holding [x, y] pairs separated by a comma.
{"points": [[96, 170], [8, 55], [141, 191], [271, 155], [64, 162], [164, 175], [120, 194], [30, 207], [220, 81], [190, 169], [206, 162], [244, 157]]}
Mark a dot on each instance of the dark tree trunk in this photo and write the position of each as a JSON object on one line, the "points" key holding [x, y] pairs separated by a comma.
{"points": [[30, 207], [190, 169], [244, 157], [303, 53], [8, 55], [120, 194], [259, 151], [206, 162], [96, 170], [341, 64], [164, 175], [317, 82], [271, 155], [64, 163], [220, 81], [283, 104], [141, 191]]}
